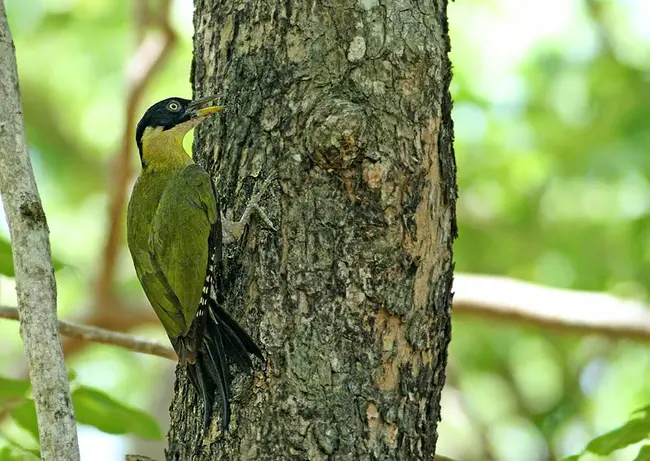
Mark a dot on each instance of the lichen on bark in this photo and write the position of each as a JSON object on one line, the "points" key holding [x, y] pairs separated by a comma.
{"points": [[350, 299]]}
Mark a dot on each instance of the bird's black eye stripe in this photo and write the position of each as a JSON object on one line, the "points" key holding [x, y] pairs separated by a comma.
{"points": [[174, 106]]}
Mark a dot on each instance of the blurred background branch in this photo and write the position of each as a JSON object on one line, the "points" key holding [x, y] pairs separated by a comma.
{"points": [[497, 298], [99, 335], [155, 41], [152, 51], [581, 312], [118, 317]]}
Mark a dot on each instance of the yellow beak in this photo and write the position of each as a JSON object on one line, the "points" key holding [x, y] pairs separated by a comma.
{"points": [[204, 111], [203, 107]]}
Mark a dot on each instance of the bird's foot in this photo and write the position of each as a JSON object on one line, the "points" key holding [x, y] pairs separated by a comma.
{"points": [[233, 230]]}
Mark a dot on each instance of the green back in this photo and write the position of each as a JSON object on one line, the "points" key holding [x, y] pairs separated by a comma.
{"points": [[168, 225]]}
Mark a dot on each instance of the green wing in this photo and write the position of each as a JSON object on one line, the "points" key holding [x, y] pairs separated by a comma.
{"points": [[179, 247]]}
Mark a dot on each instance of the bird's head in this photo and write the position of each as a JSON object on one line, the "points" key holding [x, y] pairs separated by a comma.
{"points": [[168, 121]]}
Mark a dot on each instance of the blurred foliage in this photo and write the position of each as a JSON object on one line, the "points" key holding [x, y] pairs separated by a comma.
{"points": [[552, 102], [632, 432], [91, 406], [6, 259], [551, 114], [97, 409], [72, 62]]}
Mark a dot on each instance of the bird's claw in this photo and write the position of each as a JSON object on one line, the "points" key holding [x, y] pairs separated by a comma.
{"points": [[232, 231]]}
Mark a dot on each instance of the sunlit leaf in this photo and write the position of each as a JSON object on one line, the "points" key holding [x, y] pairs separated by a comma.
{"points": [[645, 409], [25, 416], [11, 389], [15, 451], [98, 409], [571, 458], [644, 454], [95, 408], [629, 433], [7, 263], [8, 454]]}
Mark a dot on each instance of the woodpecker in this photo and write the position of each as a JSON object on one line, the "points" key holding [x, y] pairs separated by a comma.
{"points": [[175, 233]]}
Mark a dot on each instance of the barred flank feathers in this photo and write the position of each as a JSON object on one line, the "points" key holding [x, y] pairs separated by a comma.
{"points": [[218, 336], [198, 371]]}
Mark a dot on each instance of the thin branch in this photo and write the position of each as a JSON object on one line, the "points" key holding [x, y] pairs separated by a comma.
{"points": [[152, 51], [482, 295], [35, 285], [551, 308], [98, 335], [118, 318]]}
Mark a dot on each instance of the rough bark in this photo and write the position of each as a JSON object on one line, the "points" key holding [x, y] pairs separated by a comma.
{"points": [[35, 284], [350, 300]]}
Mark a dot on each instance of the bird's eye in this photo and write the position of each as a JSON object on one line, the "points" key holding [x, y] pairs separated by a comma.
{"points": [[174, 106]]}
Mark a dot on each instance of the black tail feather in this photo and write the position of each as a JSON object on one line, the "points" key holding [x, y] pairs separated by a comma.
{"points": [[235, 349], [222, 338], [238, 331], [205, 387], [214, 359]]}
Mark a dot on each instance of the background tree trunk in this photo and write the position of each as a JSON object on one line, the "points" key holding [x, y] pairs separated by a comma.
{"points": [[350, 300]]}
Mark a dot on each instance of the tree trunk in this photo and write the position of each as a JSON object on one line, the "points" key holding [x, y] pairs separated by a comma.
{"points": [[348, 101]]}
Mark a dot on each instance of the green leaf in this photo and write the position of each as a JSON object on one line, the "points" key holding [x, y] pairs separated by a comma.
{"points": [[56, 264], [25, 416], [7, 262], [35, 454], [15, 451], [6, 259], [644, 454], [629, 433], [11, 389], [72, 375], [98, 409], [571, 458], [7, 454], [644, 409]]}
